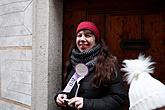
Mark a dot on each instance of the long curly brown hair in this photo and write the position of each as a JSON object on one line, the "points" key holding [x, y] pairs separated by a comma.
{"points": [[106, 67]]}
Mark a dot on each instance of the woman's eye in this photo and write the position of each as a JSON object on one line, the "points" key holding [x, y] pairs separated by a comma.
{"points": [[88, 35], [79, 35]]}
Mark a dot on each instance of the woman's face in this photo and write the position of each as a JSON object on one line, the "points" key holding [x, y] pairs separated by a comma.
{"points": [[85, 40]]}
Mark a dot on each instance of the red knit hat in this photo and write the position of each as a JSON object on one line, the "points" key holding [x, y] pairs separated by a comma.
{"points": [[90, 26]]}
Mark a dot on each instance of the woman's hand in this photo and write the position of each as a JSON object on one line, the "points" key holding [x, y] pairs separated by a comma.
{"points": [[60, 99], [77, 102]]}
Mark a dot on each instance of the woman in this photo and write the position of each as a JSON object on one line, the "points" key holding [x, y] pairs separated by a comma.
{"points": [[101, 87]]}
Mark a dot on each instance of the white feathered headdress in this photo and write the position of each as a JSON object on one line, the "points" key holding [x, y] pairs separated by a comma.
{"points": [[145, 92]]}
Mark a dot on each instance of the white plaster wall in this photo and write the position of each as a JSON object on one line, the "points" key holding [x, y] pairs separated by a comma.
{"points": [[15, 54]]}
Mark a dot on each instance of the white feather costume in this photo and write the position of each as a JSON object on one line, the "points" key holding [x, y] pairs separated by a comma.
{"points": [[145, 92]]}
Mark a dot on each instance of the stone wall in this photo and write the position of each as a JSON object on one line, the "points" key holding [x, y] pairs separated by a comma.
{"points": [[30, 53], [15, 54]]}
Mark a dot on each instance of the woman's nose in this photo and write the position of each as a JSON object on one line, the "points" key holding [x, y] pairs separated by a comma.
{"points": [[82, 38]]}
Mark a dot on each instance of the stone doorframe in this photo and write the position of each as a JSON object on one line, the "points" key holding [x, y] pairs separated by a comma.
{"points": [[47, 52]]}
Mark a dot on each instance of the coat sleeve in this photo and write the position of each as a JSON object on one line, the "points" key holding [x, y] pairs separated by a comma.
{"points": [[114, 99]]}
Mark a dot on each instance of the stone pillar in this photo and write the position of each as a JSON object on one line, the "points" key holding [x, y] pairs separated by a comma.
{"points": [[47, 53]]}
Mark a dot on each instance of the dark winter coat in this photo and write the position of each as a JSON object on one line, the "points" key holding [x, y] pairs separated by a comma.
{"points": [[102, 98]]}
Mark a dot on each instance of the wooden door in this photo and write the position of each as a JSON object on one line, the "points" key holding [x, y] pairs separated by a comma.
{"points": [[117, 29], [127, 34]]}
